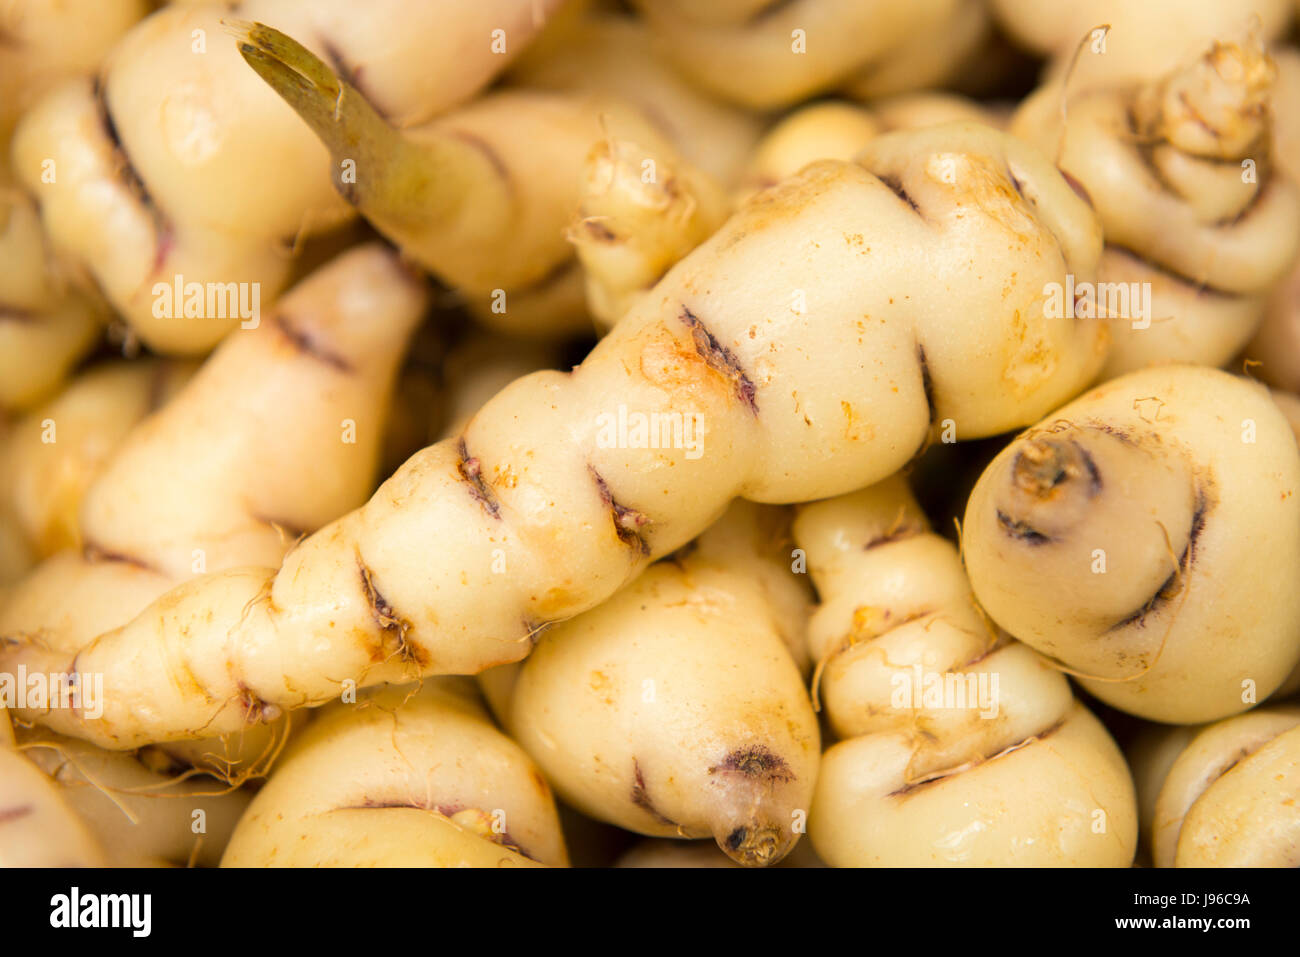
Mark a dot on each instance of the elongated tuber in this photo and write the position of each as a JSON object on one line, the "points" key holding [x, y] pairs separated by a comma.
{"points": [[277, 434], [813, 372]]}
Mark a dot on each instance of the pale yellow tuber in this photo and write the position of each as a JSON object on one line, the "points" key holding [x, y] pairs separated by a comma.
{"points": [[818, 338], [960, 747], [209, 176], [1126, 536], [675, 708], [1200, 223], [402, 777]]}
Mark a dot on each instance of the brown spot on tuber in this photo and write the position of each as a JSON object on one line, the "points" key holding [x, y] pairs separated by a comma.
{"points": [[721, 359], [755, 762], [1021, 530], [471, 471], [628, 522], [125, 167], [256, 711], [303, 342], [598, 231], [94, 553], [1172, 585], [489, 153], [895, 186], [1079, 189], [390, 623], [641, 799], [9, 814], [927, 384], [912, 787], [755, 845]]}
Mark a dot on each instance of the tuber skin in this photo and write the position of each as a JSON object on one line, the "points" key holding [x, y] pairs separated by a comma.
{"points": [[675, 708], [660, 852], [403, 777], [796, 406], [1013, 773], [462, 195], [216, 476], [1123, 536], [38, 827], [47, 41], [840, 129], [640, 211], [1228, 797], [209, 175], [748, 54], [82, 427], [615, 55], [1164, 162], [140, 813], [46, 326], [1276, 346], [48, 322], [1142, 41]]}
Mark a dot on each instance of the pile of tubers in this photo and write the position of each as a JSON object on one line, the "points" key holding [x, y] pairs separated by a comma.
{"points": [[649, 434]]}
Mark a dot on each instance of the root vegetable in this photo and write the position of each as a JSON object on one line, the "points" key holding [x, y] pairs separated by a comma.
{"points": [[479, 367], [309, 385], [141, 807], [838, 129], [1200, 225], [45, 326], [1126, 535], [54, 454], [1142, 41], [209, 176], [1276, 347], [615, 56], [675, 708], [1229, 798], [37, 826], [405, 777], [765, 56], [641, 210], [47, 41], [957, 48], [462, 195], [804, 336], [663, 852], [833, 129], [1150, 756], [960, 746]]}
